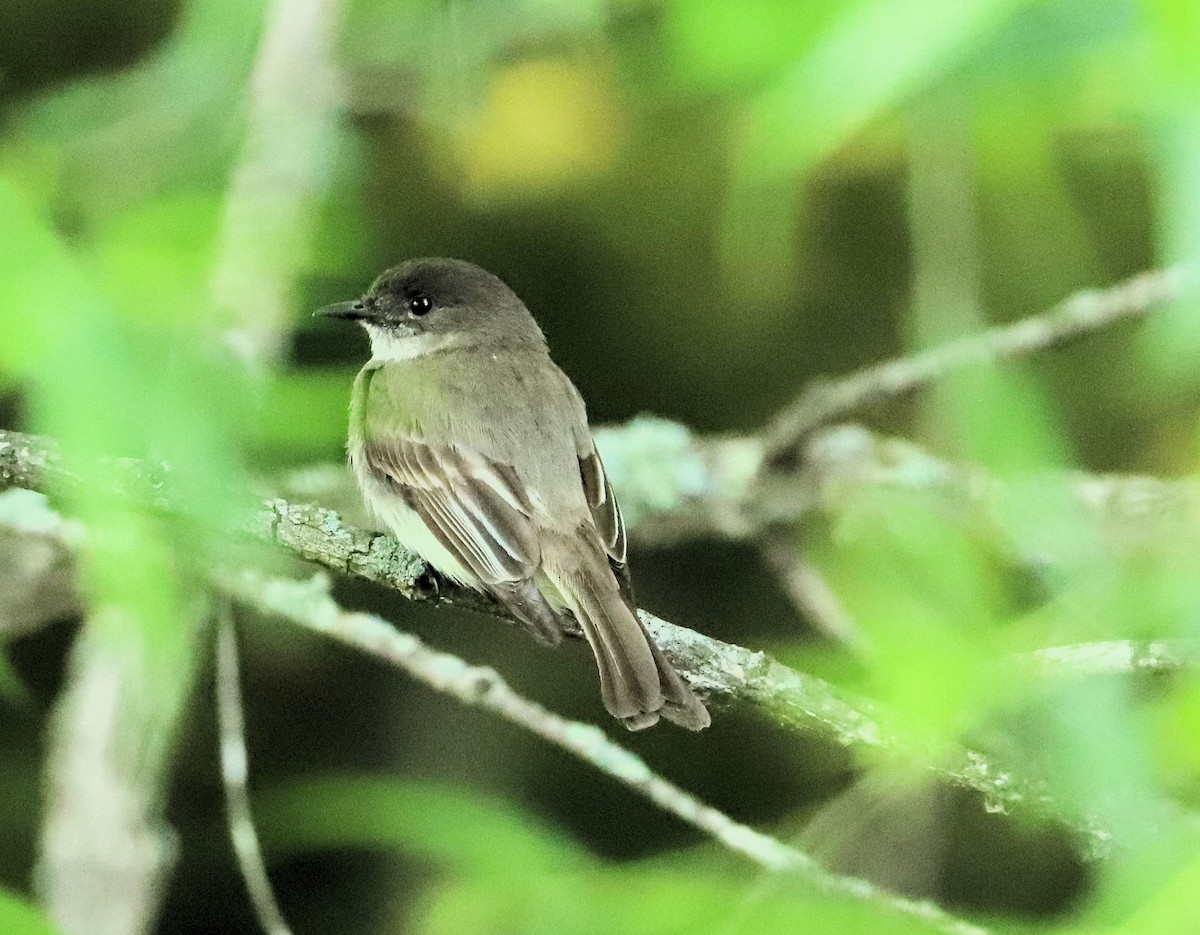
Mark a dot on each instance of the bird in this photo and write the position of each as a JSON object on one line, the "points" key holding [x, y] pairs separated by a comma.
{"points": [[473, 448]]}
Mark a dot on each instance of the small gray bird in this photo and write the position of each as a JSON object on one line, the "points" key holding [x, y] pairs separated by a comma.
{"points": [[473, 448]]}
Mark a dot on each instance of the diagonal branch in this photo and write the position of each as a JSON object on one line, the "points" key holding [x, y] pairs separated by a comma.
{"points": [[308, 604], [830, 401], [842, 460], [728, 672], [725, 672]]}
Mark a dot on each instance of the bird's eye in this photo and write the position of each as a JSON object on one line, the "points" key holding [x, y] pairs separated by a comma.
{"points": [[420, 304]]}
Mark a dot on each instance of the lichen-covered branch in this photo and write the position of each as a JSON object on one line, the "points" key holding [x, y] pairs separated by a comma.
{"points": [[728, 673], [842, 463], [308, 604], [725, 672], [28, 461], [1115, 657], [675, 485], [1124, 514]]}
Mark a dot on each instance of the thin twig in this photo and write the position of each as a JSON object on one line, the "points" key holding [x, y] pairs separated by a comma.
{"points": [[308, 604], [235, 778], [808, 590], [829, 401], [1115, 657]]}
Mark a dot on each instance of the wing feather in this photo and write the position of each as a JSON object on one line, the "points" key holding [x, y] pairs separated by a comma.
{"points": [[606, 514], [476, 509]]}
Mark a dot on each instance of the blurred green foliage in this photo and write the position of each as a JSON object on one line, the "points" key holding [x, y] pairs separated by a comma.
{"points": [[706, 205], [20, 918]]}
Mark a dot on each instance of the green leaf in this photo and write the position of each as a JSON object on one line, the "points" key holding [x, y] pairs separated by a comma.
{"points": [[20, 917], [456, 828], [865, 62], [304, 414], [643, 899]]}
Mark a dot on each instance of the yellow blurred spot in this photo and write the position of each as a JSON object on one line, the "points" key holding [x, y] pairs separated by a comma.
{"points": [[544, 125]]}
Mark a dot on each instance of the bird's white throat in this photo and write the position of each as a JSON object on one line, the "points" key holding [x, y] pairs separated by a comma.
{"points": [[390, 347]]}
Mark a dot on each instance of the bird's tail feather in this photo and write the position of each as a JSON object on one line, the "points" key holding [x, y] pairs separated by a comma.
{"points": [[637, 684], [680, 704]]}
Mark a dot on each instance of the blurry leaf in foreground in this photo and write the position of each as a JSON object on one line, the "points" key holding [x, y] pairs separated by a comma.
{"points": [[101, 394], [1172, 909], [455, 828], [127, 137], [153, 260], [1086, 737], [925, 597], [304, 415], [508, 871], [1175, 738], [865, 61], [1001, 421], [18, 917], [890, 826], [645, 898], [1171, 340]]}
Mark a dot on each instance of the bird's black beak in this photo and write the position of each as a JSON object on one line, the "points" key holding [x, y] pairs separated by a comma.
{"points": [[355, 310]]}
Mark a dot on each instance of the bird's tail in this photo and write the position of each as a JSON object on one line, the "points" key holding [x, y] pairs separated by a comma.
{"points": [[637, 683]]}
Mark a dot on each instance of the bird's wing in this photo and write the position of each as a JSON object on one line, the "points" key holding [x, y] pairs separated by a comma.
{"points": [[606, 514], [477, 508]]}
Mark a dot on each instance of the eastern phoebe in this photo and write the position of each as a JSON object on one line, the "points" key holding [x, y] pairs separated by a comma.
{"points": [[473, 448]]}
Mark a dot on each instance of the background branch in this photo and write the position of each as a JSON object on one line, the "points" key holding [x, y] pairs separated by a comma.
{"points": [[106, 853], [271, 204], [36, 564], [827, 401], [235, 777]]}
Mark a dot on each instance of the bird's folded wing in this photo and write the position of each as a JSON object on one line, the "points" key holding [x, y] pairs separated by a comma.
{"points": [[606, 514], [476, 508]]}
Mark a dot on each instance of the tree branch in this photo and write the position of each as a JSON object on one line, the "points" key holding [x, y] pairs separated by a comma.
{"points": [[841, 462], [827, 401], [270, 205], [235, 777], [308, 604], [681, 486], [724, 672], [36, 567], [106, 852]]}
